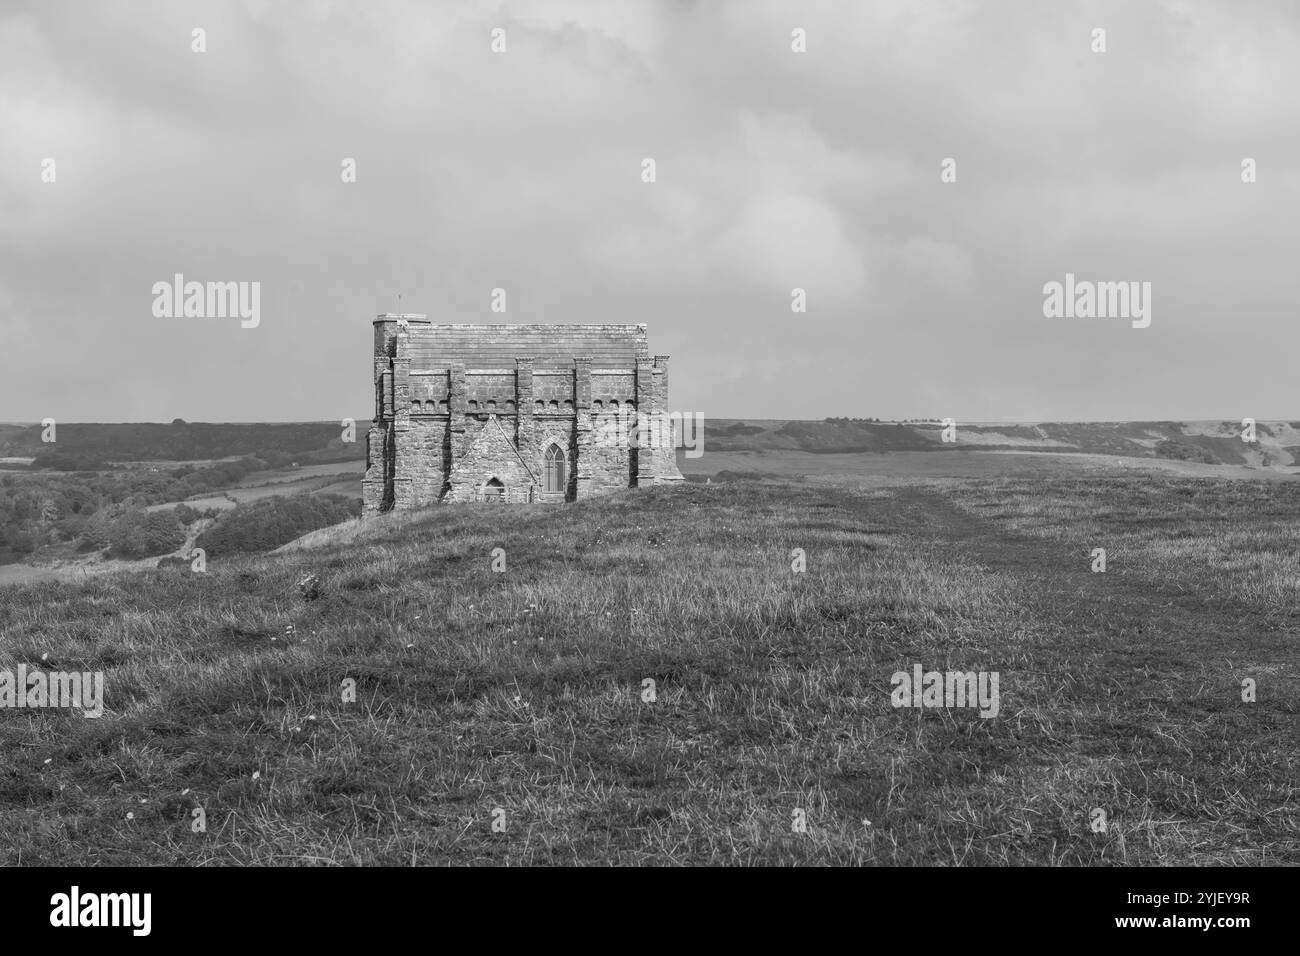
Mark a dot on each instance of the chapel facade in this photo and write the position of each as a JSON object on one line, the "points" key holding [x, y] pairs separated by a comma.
{"points": [[511, 413]]}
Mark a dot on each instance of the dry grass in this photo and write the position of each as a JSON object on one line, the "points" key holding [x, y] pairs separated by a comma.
{"points": [[522, 690]]}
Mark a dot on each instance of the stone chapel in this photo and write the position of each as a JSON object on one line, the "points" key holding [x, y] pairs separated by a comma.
{"points": [[511, 413]]}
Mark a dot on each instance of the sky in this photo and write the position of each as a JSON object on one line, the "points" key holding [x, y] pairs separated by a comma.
{"points": [[774, 169]]}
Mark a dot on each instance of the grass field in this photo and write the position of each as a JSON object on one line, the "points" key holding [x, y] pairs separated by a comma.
{"points": [[516, 697]]}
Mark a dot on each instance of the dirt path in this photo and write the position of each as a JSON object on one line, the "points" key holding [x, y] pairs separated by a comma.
{"points": [[1124, 611]]}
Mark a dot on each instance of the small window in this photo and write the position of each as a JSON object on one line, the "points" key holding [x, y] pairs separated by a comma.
{"points": [[494, 491]]}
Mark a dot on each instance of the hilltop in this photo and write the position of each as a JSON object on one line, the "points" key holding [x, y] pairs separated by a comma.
{"points": [[649, 679]]}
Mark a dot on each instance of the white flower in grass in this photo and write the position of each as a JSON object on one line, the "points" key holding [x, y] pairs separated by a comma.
{"points": [[257, 775]]}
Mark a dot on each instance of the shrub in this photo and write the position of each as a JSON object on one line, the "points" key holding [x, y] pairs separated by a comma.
{"points": [[141, 534], [266, 524], [1183, 451], [96, 534]]}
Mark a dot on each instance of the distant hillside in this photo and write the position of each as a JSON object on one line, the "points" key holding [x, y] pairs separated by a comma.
{"points": [[185, 441], [1277, 445]]}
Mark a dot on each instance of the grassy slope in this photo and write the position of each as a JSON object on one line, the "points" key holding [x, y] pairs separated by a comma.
{"points": [[520, 690]]}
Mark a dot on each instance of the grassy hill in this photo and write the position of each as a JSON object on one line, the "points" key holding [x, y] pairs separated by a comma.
{"points": [[1278, 443], [184, 441], [520, 696]]}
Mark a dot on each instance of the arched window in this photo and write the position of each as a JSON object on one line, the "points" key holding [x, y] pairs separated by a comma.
{"points": [[614, 404], [494, 491], [539, 405], [473, 405], [555, 405], [598, 404], [491, 406], [554, 468]]}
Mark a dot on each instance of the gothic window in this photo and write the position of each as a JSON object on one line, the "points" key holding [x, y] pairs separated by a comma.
{"points": [[554, 469], [494, 491]]}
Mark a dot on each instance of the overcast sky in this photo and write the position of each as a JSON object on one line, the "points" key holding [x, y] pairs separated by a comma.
{"points": [[774, 170]]}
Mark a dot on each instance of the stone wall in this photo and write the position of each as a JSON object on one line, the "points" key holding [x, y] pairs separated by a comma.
{"points": [[489, 454]]}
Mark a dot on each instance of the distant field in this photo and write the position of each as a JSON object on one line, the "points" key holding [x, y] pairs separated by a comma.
{"points": [[884, 469], [335, 478], [1276, 445], [520, 692]]}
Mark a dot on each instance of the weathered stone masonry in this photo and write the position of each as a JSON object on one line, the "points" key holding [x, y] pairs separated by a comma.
{"points": [[509, 413]]}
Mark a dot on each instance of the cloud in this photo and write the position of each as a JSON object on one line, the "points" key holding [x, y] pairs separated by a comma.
{"points": [[776, 170]]}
